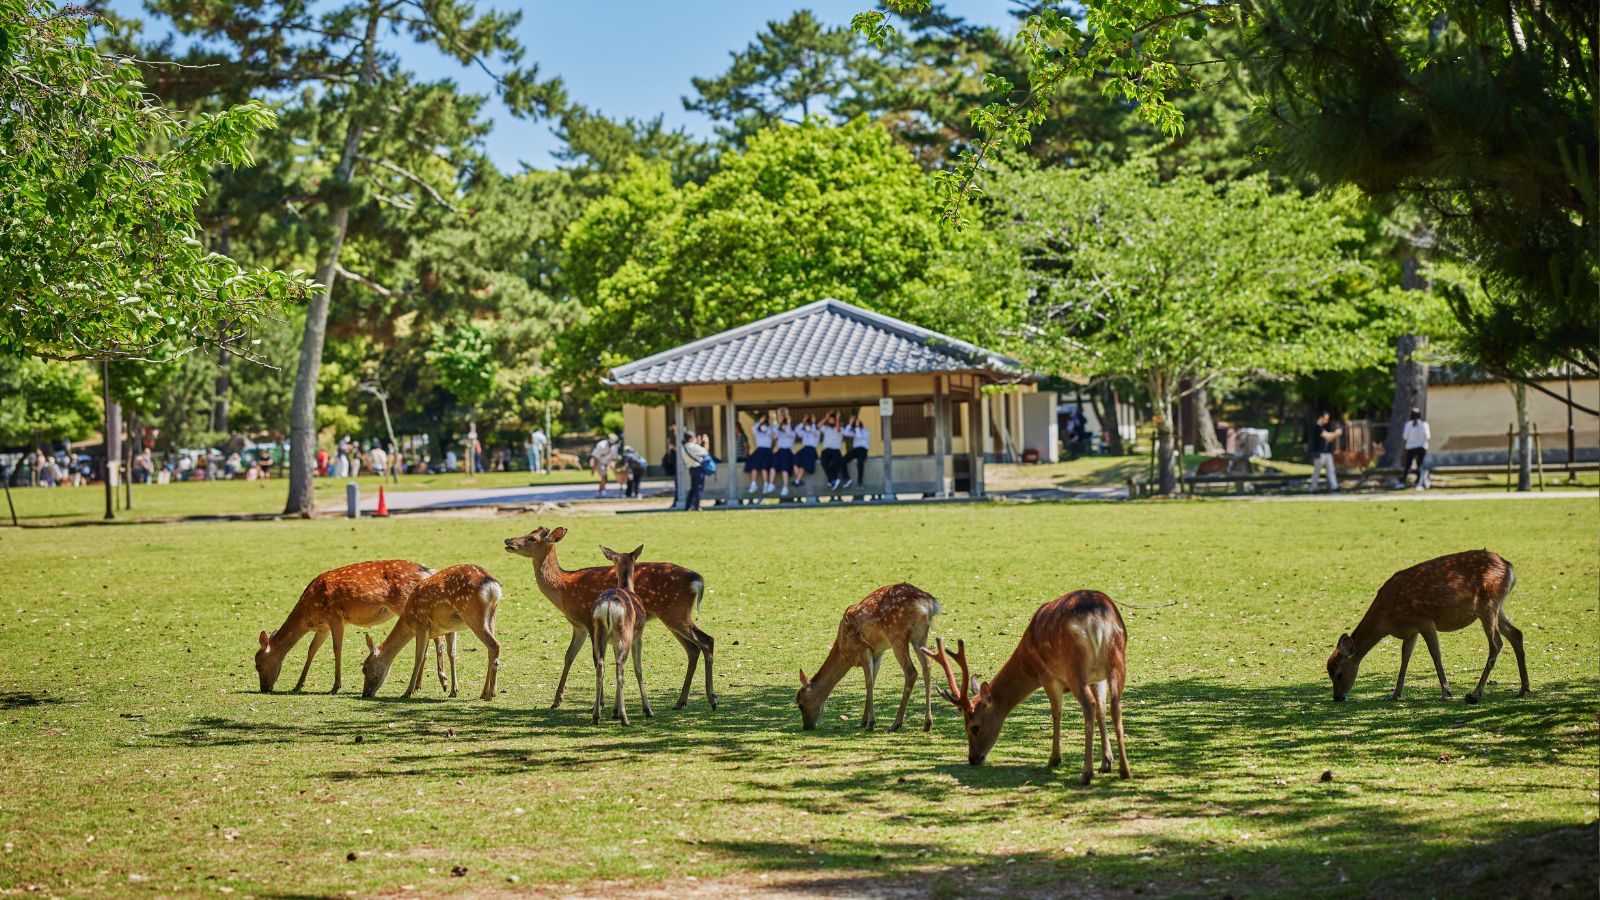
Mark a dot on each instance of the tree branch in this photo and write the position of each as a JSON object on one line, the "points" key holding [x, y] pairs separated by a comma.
{"points": [[413, 177]]}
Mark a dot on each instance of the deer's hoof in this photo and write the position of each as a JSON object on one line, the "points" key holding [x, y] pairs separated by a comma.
{"points": [[1522, 693], [1472, 698], [1124, 773], [1054, 761], [1105, 766], [1088, 777]]}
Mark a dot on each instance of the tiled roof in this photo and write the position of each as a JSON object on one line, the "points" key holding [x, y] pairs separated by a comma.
{"points": [[825, 339]]}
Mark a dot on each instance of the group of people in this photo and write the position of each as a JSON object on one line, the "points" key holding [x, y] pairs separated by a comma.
{"points": [[775, 462], [1324, 432], [349, 458], [611, 456]]}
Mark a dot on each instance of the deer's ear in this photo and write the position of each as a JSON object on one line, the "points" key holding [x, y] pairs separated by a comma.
{"points": [[804, 681], [371, 647], [972, 687], [608, 552], [1345, 644], [637, 552], [984, 690], [264, 639], [557, 534]]}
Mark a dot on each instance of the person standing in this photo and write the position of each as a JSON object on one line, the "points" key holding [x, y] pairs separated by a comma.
{"points": [[537, 441], [603, 457], [694, 457], [805, 460], [860, 443], [783, 451], [759, 464], [832, 457], [669, 459], [1416, 436], [1319, 440], [380, 460]]}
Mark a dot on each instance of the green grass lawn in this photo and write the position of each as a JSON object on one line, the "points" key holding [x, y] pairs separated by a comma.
{"points": [[66, 505], [138, 754]]}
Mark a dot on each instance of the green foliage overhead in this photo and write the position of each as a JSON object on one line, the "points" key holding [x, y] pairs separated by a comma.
{"points": [[808, 212], [99, 256], [465, 363], [46, 400]]}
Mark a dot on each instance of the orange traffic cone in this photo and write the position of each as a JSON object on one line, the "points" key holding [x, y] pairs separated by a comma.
{"points": [[383, 505]]}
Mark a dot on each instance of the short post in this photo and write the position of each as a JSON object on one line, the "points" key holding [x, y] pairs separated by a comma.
{"points": [[680, 498], [886, 426], [1511, 443], [352, 500], [1538, 454]]}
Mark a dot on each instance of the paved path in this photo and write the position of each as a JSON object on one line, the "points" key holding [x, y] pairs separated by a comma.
{"points": [[457, 498]]}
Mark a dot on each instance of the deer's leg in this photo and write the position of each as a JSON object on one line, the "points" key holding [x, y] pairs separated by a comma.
{"points": [[927, 693], [419, 663], [597, 642], [638, 672], [336, 630], [438, 662], [316, 642], [1431, 638], [707, 645], [691, 647], [450, 647], [1407, 644], [1054, 693], [1491, 629], [1100, 720], [1087, 699], [485, 632], [621, 655], [909, 669], [1122, 740], [579, 635], [1514, 634], [869, 667]]}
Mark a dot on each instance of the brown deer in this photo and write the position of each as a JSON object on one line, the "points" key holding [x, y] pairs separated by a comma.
{"points": [[1444, 594], [895, 617], [1075, 643], [670, 593], [618, 616], [363, 595], [452, 599]]}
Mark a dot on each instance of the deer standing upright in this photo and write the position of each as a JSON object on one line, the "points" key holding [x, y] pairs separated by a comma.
{"points": [[895, 617], [1075, 644], [1444, 594], [460, 597], [364, 594], [669, 593], [618, 615]]}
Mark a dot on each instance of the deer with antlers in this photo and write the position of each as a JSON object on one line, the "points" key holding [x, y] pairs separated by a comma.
{"points": [[1444, 594], [453, 599], [669, 593], [1075, 644], [618, 616], [895, 617], [364, 594]]}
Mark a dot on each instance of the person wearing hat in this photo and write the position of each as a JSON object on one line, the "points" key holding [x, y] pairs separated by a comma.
{"points": [[603, 457], [633, 466], [1416, 435]]}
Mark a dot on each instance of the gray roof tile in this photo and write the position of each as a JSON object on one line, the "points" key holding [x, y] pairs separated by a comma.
{"points": [[825, 339]]}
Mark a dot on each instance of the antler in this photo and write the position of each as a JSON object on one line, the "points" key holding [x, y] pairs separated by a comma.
{"points": [[956, 694]]}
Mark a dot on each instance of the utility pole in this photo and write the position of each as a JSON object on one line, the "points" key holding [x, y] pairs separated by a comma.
{"points": [[1572, 434], [375, 388], [111, 428]]}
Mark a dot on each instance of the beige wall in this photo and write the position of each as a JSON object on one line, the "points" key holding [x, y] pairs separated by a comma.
{"points": [[1473, 417]]}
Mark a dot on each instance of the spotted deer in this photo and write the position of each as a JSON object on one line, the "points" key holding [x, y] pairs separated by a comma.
{"points": [[453, 599], [363, 595], [1076, 644], [670, 593], [1444, 594], [895, 617], [618, 615]]}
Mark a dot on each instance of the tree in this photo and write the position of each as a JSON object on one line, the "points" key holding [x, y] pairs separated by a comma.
{"points": [[98, 257], [1186, 281], [1484, 115], [466, 368], [368, 149], [794, 69], [597, 150], [807, 212], [45, 400]]}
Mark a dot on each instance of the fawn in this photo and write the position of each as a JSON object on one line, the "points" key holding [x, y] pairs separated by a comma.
{"points": [[618, 615], [448, 601], [1076, 643], [1444, 594], [895, 617], [363, 594], [669, 593]]}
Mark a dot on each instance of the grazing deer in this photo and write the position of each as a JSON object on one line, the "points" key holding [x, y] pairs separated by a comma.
{"points": [[1444, 594], [895, 617], [618, 616], [669, 593], [448, 601], [1077, 644], [363, 595]]}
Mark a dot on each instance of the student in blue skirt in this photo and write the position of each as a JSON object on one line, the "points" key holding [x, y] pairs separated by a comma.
{"points": [[783, 451], [759, 463], [860, 443], [832, 441], [805, 460]]}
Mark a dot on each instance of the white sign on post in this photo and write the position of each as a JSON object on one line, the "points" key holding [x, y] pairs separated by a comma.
{"points": [[886, 406]]}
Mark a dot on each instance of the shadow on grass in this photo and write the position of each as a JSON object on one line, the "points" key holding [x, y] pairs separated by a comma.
{"points": [[22, 699]]}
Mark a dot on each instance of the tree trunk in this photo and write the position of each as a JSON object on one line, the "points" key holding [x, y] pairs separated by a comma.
{"points": [[1111, 420], [1205, 428], [1524, 439], [223, 388], [113, 433], [1166, 453], [303, 415], [1410, 390]]}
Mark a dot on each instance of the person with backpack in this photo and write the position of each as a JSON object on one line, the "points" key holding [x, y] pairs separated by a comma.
{"points": [[633, 466], [700, 463]]}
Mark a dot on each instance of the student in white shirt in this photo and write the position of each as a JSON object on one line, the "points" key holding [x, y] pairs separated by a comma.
{"points": [[1416, 436], [805, 460], [758, 465], [832, 441], [783, 451], [860, 442]]}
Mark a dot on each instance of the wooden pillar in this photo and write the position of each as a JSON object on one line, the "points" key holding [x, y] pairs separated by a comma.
{"points": [[682, 479], [730, 430], [979, 437], [940, 435], [886, 426]]}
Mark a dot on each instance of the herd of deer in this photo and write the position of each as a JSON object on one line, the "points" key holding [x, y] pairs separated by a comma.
{"points": [[1075, 644]]}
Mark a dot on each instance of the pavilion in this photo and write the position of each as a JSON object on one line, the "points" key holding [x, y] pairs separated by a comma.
{"points": [[920, 393]]}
